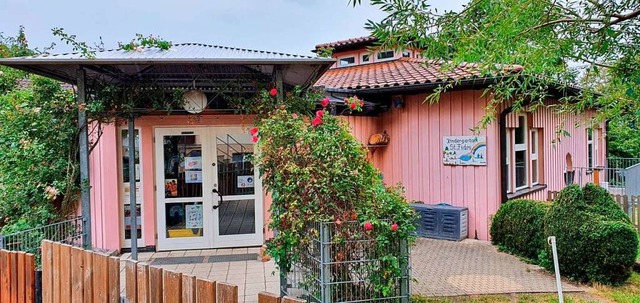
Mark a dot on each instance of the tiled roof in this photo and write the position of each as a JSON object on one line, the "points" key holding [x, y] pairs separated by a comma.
{"points": [[397, 73], [347, 42]]}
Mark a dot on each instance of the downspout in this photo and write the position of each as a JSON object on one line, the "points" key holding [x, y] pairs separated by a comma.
{"points": [[504, 170]]}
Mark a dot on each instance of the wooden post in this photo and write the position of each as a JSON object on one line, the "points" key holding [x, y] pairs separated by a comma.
{"points": [[83, 145], [131, 280], [172, 282], [77, 275], [226, 293], [205, 291], [155, 279]]}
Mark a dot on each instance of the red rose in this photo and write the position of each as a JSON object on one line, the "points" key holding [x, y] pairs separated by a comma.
{"points": [[352, 105], [316, 121], [253, 131], [325, 102], [320, 113], [394, 226], [273, 92], [361, 103], [368, 225], [254, 139], [294, 115]]}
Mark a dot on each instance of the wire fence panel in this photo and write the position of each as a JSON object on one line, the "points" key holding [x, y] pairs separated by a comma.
{"points": [[335, 268], [67, 232]]}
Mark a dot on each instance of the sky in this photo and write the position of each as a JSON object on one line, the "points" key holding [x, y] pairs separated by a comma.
{"points": [[292, 26]]}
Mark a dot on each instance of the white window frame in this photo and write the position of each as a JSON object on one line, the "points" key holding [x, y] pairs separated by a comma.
{"points": [[591, 145], [533, 156], [355, 61], [385, 59], [366, 62], [518, 148], [509, 151], [126, 243]]}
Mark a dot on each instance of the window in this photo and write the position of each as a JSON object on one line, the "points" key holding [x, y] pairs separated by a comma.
{"points": [[520, 148], [384, 55], [406, 54], [592, 150], [126, 190], [347, 61], [366, 58], [535, 178]]}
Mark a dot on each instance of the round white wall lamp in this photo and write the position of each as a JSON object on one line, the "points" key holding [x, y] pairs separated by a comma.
{"points": [[195, 101]]}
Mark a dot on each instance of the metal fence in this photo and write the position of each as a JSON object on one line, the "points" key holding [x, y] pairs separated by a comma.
{"points": [[342, 264], [614, 172], [68, 232]]}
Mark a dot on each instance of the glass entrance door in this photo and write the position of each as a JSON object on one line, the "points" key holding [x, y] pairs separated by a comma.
{"points": [[237, 190], [184, 175]]}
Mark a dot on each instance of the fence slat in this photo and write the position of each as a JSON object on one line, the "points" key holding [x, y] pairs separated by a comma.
{"points": [[47, 272], [88, 277], [100, 278], [22, 270], [155, 279], [30, 278], [205, 291], [267, 297], [226, 293], [55, 273], [131, 288], [188, 289], [172, 292], [113, 264], [65, 273], [77, 275], [13, 264], [143, 282], [5, 287]]}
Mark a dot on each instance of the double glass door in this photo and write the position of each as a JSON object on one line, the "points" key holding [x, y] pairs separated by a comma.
{"points": [[208, 193]]}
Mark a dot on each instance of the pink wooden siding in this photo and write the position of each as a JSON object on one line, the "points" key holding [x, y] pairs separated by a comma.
{"points": [[414, 154]]}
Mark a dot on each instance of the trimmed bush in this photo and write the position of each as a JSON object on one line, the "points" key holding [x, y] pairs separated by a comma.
{"points": [[596, 242], [518, 227]]}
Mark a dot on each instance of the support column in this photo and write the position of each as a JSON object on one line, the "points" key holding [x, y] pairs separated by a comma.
{"points": [[133, 209], [279, 86], [83, 146]]}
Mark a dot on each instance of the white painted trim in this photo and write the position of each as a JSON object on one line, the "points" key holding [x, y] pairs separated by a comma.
{"points": [[395, 55], [355, 60]]}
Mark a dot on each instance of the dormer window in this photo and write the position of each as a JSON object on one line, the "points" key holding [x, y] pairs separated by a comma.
{"points": [[346, 61], [385, 55], [366, 58]]}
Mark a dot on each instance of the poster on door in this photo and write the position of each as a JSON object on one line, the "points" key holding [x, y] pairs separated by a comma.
{"points": [[194, 216], [464, 150], [245, 181]]}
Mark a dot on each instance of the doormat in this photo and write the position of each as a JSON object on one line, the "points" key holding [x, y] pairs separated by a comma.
{"points": [[203, 259]]}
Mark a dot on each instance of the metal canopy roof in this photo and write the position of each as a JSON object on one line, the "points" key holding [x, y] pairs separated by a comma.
{"points": [[207, 67]]}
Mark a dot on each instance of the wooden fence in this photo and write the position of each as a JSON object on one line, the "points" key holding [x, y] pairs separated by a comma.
{"points": [[71, 274], [629, 204], [17, 277]]}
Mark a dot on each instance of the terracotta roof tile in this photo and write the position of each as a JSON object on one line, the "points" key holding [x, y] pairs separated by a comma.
{"points": [[347, 42], [398, 72]]}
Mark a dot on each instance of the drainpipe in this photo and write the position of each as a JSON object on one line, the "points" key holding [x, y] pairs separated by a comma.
{"points": [[133, 208], [504, 170]]}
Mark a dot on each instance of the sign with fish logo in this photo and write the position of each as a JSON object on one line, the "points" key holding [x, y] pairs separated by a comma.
{"points": [[464, 150]]}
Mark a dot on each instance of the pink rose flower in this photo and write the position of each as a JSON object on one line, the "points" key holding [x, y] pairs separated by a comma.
{"points": [[254, 139], [294, 115], [316, 121], [368, 225], [352, 105], [253, 131], [320, 113], [394, 226], [273, 92], [325, 102]]}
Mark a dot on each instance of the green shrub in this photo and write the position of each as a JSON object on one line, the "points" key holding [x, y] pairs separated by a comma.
{"points": [[596, 242], [518, 227]]}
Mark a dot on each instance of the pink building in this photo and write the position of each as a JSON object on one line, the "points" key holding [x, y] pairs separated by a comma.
{"points": [[196, 188]]}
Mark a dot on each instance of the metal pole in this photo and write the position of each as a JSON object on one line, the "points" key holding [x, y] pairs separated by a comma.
{"points": [[552, 241], [325, 265], [133, 208], [83, 146]]}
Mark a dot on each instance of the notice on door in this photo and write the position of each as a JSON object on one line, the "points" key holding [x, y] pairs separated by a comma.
{"points": [[194, 216], [245, 181]]}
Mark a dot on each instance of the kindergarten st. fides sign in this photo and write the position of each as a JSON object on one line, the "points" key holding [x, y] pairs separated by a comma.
{"points": [[464, 150]]}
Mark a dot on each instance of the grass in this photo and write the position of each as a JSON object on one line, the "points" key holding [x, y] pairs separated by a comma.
{"points": [[627, 293]]}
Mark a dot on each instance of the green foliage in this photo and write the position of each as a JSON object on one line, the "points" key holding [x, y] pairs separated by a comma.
{"points": [[555, 41], [142, 41], [317, 171], [596, 242], [518, 227], [623, 139]]}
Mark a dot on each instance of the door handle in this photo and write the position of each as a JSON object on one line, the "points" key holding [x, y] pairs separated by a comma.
{"points": [[219, 201]]}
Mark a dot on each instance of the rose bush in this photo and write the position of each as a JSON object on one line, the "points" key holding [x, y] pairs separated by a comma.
{"points": [[317, 171]]}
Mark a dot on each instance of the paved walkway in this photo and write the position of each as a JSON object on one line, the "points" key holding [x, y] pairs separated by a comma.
{"points": [[470, 267], [440, 268]]}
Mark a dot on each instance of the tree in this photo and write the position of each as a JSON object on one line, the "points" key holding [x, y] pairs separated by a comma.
{"points": [[556, 41]]}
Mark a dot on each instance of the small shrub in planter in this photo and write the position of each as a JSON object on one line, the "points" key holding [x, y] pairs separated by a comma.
{"points": [[596, 242], [518, 227]]}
